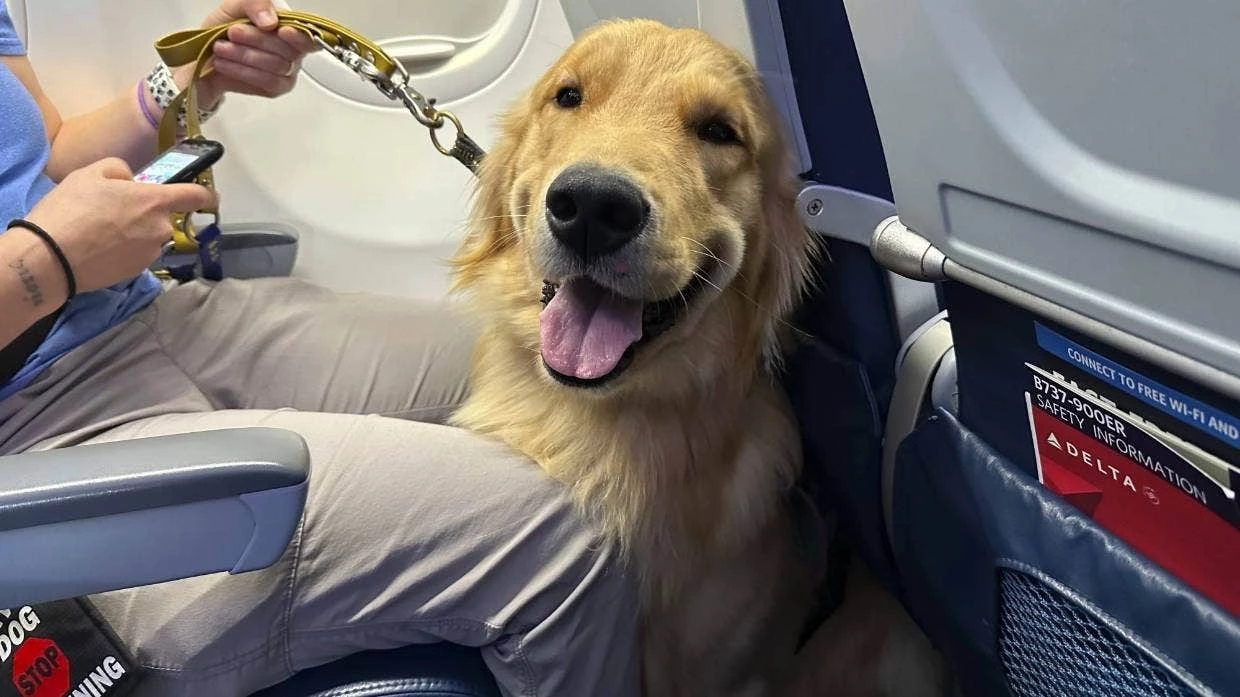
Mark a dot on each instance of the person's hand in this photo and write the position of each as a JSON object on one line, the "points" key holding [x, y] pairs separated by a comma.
{"points": [[260, 59], [109, 226]]}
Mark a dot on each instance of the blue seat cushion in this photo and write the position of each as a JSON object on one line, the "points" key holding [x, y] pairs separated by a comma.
{"points": [[429, 670]]}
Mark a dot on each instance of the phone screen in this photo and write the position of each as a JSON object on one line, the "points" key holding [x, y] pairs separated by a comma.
{"points": [[167, 165]]}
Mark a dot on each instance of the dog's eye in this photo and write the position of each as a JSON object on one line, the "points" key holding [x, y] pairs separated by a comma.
{"points": [[568, 97], [718, 132]]}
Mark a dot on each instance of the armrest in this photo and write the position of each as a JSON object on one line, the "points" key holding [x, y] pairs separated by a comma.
{"points": [[98, 517], [248, 251], [852, 216]]}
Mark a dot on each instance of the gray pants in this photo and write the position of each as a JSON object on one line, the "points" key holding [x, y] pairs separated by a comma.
{"points": [[413, 531]]}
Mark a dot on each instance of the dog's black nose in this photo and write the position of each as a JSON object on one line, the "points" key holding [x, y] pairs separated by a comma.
{"points": [[593, 211]]}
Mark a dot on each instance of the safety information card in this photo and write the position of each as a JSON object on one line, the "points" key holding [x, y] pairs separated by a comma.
{"points": [[1165, 496]]}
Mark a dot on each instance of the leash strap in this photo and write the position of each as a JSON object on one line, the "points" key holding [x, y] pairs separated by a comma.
{"points": [[358, 53]]}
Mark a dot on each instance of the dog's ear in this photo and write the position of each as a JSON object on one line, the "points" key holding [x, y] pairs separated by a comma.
{"points": [[491, 226], [790, 252]]}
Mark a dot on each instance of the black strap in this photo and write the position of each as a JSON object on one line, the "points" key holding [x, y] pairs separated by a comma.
{"points": [[14, 356], [17, 352], [70, 280]]}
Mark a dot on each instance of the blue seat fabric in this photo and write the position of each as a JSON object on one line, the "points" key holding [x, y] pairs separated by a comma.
{"points": [[430, 670]]}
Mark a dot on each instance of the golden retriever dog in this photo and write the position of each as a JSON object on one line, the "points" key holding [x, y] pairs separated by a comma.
{"points": [[633, 254]]}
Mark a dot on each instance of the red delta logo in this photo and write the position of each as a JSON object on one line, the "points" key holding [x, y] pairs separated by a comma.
{"points": [[1092, 461], [40, 669], [1155, 514]]}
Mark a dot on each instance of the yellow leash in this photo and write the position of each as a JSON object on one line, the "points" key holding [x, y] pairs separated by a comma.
{"points": [[357, 52]]}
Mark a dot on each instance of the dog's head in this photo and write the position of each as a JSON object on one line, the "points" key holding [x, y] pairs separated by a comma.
{"points": [[635, 222]]}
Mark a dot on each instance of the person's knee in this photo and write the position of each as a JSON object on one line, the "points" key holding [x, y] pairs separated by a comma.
{"points": [[577, 627], [596, 568], [538, 514]]}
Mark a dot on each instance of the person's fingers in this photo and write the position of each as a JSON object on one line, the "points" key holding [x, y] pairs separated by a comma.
{"points": [[265, 41], [298, 39], [187, 198], [113, 168], [255, 58], [261, 12], [252, 80]]}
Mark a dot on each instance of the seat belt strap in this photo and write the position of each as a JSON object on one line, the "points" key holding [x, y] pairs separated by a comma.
{"points": [[913, 383]]}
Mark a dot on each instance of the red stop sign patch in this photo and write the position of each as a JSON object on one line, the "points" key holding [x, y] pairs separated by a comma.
{"points": [[40, 669]]}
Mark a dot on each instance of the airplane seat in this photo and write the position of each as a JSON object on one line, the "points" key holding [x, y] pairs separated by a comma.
{"points": [[158, 509], [1060, 470], [840, 380], [429, 670]]}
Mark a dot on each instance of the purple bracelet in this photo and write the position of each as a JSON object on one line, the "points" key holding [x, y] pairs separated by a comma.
{"points": [[150, 118]]}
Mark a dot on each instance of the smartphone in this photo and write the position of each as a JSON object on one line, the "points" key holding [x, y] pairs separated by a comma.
{"points": [[181, 163]]}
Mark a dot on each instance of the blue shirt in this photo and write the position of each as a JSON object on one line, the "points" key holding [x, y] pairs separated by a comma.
{"points": [[23, 156]]}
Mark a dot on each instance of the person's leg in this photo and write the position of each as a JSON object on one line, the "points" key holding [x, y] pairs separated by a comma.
{"points": [[253, 344], [412, 533], [120, 376], [283, 342]]}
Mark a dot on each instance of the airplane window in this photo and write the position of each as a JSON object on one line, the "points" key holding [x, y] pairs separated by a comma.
{"points": [[583, 13], [458, 19]]}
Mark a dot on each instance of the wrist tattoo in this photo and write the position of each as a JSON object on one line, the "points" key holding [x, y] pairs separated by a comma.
{"points": [[33, 292]]}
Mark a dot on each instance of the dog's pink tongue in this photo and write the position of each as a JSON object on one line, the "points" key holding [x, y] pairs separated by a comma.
{"points": [[585, 329]]}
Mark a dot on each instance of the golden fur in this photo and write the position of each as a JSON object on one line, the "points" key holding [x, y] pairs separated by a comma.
{"points": [[685, 459]]}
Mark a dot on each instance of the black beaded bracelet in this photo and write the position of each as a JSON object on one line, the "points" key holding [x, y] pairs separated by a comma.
{"points": [[70, 281]]}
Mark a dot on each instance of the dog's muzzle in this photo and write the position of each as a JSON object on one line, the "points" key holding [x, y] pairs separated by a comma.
{"points": [[594, 211], [590, 354]]}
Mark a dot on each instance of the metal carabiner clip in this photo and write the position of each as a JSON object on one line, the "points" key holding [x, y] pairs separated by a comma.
{"points": [[397, 87], [423, 109]]}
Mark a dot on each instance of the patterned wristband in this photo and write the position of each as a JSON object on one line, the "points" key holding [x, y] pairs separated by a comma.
{"points": [[164, 89]]}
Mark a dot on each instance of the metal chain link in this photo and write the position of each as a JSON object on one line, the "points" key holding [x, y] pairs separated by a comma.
{"points": [[463, 149]]}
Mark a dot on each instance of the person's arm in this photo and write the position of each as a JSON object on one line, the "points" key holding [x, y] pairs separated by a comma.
{"points": [[32, 284], [109, 228], [254, 60]]}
